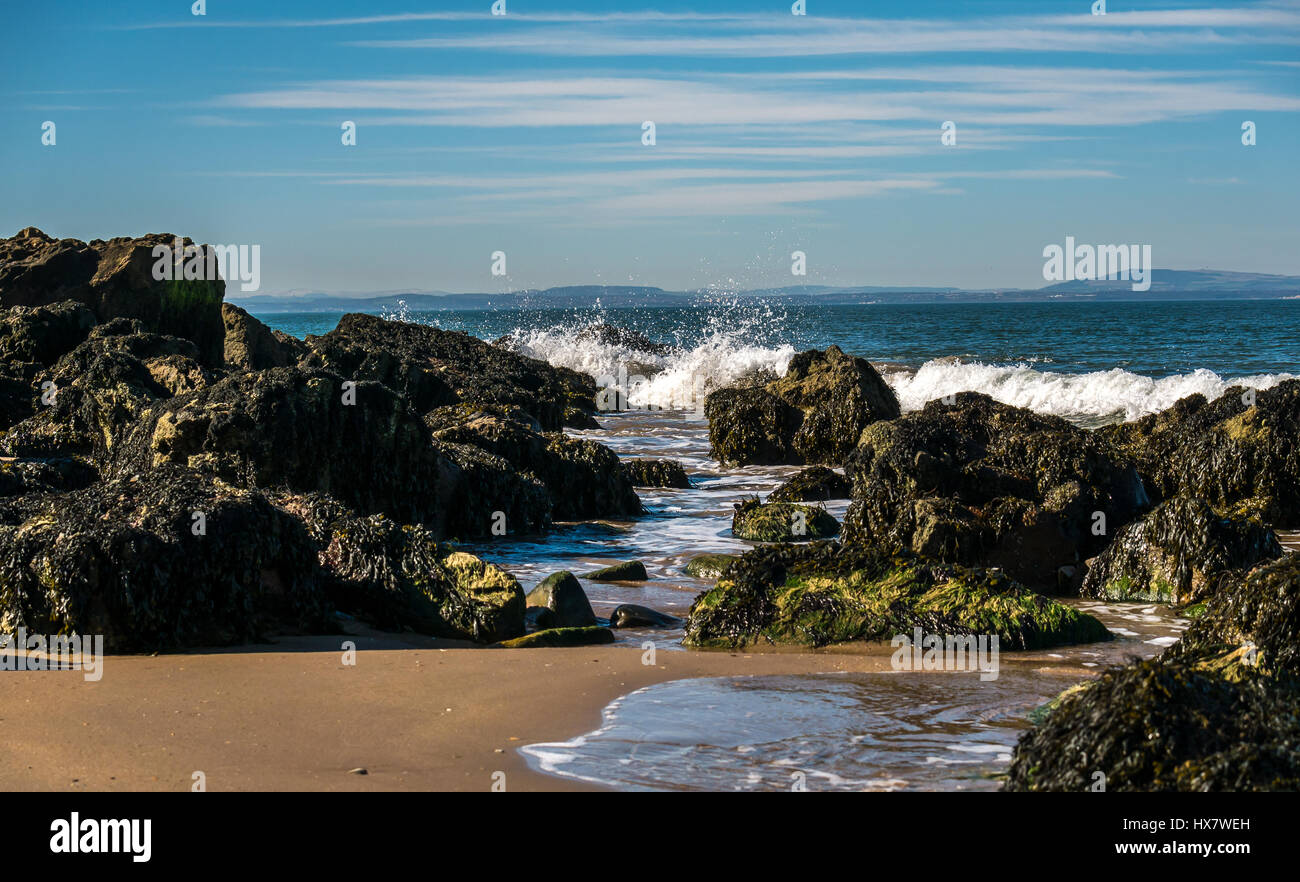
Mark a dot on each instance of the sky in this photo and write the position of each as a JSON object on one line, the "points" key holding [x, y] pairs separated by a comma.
{"points": [[523, 133]]}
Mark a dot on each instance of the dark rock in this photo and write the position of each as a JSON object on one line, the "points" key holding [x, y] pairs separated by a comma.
{"points": [[1242, 459], [629, 615], [562, 594], [709, 566], [628, 571], [656, 473], [978, 482], [824, 593], [491, 497], [121, 558], [623, 338], [400, 576], [435, 368], [539, 618], [815, 484], [593, 635], [289, 428], [781, 522], [251, 345], [40, 335], [1177, 553], [22, 476], [115, 279], [813, 414]]}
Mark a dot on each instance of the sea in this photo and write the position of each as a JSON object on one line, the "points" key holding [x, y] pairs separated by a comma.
{"points": [[1090, 363]]}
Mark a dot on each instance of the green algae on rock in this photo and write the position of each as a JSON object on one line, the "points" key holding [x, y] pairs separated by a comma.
{"points": [[813, 484], [165, 559], [656, 473], [1177, 553], [709, 566], [627, 571], [592, 635], [399, 575], [825, 593], [781, 522]]}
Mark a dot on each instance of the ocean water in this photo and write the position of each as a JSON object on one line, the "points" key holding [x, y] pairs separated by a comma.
{"points": [[1091, 363]]}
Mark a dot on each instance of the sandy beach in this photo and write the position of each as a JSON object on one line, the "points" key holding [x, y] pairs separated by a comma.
{"points": [[426, 716]]}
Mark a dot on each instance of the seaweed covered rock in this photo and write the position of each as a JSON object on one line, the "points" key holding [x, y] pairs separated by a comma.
{"points": [[22, 476], [490, 497], [400, 576], [1252, 621], [97, 391], [435, 368], [709, 566], [583, 478], [826, 593], [1177, 553], [813, 484], [590, 635], [165, 559], [40, 335], [656, 473], [1165, 726], [562, 594], [627, 571], [115, 279], [302, 430], [1238, 452], [813, 414], [781, 522], [251, 345], [979, 482]]}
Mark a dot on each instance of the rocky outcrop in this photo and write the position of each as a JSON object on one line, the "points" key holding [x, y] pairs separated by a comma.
{"points": [[1177, 553], [101, 388], [399, 576], [163, 559], [434, 368], [825, 593], [38, 336], [656, 473], [1215, 712], [115, 279], [252, 346], [979, 482], [1240, 457], [781, 522], [814, 484], [813, 414], [294, 428]]}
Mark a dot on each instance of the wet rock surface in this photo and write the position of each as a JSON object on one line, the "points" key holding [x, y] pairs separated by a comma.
{"points": [[656, 473], [562, 594], [781, 522], [814, 484], [813, 414]]}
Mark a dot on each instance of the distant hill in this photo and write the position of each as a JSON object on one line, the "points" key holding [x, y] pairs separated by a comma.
{"points": [[1165, 285]]}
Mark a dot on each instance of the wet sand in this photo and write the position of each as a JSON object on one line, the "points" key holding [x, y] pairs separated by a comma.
{"points": [[293, 717]]}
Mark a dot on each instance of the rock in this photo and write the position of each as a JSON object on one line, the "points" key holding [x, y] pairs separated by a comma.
{"points": [[434, 368], [628, 571], [114, 278], [21, 476], [563, 595], [629, 615], [656, 473], [582, 477], [1177, 553], [824, 593], [102, 387], [40, 335], [593, 635], [251, 345], [1242, 459], [289, 428], [781, 522], [709, 566], [400, 576], [813, 414], [539, 618], [815, 484], [979, 482], [492, 496], [126, 558], [623, 338], [1251, 621]]}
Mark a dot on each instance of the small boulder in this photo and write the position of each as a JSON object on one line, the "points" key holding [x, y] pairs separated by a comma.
{"points": [[709, 566], [813, 484], [563, 595], [593, 635], [629, 615], [628, 571], [781, 522], [656, 473]]}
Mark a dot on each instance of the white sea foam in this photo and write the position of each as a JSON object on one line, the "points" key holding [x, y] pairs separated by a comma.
{"points": [[1115, 393]]}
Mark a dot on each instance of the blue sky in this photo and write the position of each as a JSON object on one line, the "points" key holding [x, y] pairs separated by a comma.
{"points": [[523, 134]]}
